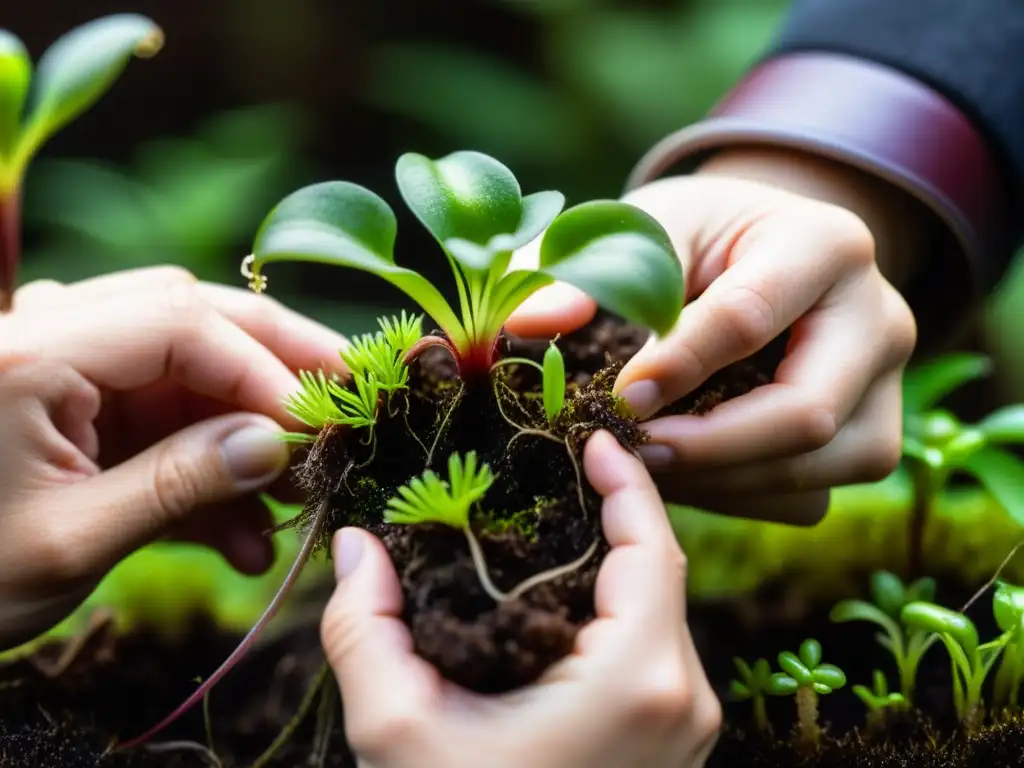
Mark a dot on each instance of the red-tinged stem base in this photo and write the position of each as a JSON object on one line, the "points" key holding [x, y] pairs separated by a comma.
{"points": [[312, 537], [473, 365], [10, 246]]}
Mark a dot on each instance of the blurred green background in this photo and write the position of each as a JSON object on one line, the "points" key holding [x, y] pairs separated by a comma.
{"points": [[252, 98]]}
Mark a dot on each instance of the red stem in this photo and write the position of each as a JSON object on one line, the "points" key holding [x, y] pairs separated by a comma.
{"points": [[10, 246], [275, 605], [475, 364]]}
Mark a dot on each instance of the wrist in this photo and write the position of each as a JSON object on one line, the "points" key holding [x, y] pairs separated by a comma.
{"points": [[900, 224]]}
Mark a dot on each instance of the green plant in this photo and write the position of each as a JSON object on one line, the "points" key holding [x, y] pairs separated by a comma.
{"points": [[936, 444], [71, 75], [878, 698], [806, 677], [970, 660], [907, 645], [473, 206], [753, 684], [1008, 609], [428, 499]]}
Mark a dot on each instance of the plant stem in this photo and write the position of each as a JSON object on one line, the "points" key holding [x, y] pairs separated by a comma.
{"points": [[919, 514], [312, 537], [807, 715], [761, 715], [10, 246], [304, 707]]}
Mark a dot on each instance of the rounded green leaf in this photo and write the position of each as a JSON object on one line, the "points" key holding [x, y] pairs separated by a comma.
{"points": [[866, 696], [742, 668], [795, 668], [967, 443], [936, 618], [925, 385], [830, 675], [344, 224], [554, 382], [15, 75], [926, 454], [939, 427], [858, 610], [922, 589], [1002, 475], [1008, 606], [1004, 425], [888, 592], [79, 67], [762, 672], [782, 685], [821, 688], [621, 257], [466, 196], [738, 690], [810, 653]]}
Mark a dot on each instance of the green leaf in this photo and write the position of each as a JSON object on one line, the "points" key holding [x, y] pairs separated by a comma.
{"points": [[554, 382], [936, 618], [925, 385], [795, 668], [79, 68], [858, 610], [739, 691], [881, 685], [742, 668], [888, 592], [762, 672], [1004, 425], [15, 75], [821, 688], [810, 653], [621, 257], [865, 695], [465, 196], [830, 675], [1008, 606], [931, 457], [1002, 475], [782, 685], [922, 589], [344, 224]]}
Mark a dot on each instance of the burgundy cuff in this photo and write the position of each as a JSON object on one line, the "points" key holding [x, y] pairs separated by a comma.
{"points": [[874, 118]]}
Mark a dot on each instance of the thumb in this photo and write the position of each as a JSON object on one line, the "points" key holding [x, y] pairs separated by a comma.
{"points": [[370, 648], [557, 308], [140, 500]]}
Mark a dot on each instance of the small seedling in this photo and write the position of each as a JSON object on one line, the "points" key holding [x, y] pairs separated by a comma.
{"points": [[806, 678], [879, 700], [1008, 608], [428, 499], [69, 78], [971, 661], [907, 645], [936, 444], [753, 684]]}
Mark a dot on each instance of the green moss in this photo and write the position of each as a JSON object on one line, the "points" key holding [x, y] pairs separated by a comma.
{"points": [[522, 523]]}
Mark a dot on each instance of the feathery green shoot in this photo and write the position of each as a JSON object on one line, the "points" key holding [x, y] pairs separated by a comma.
{"points": [[428, 499]]}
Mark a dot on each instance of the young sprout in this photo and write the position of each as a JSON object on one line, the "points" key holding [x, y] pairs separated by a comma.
{"points": [[1008, 609], [970, 661], [807, 678], [382, 354], [553, 383], [878, 699], [907, 645], [474, 208], [936, 444], [69, 78], [753, 684], [428, 499]]}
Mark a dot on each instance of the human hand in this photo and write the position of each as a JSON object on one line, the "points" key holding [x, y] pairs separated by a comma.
{"points": [[135, 406], [760, 260], [632, 693]]}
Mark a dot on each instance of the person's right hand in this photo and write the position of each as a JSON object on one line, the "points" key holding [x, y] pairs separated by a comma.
{"points": [[136, 406], [632, 693]]}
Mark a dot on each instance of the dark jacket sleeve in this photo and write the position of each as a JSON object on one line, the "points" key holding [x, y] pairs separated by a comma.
{"points": [[970, 51]]}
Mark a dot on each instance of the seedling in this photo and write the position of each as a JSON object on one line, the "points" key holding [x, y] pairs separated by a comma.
{"points": [[428, 499], [69, 78], [907, 645], [1008, 608], [879, 700], [754, 684], [971, 662], [473, 206], [936, 444], [806, 677]]}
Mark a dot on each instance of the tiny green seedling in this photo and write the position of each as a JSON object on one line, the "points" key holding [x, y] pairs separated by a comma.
{"points": [[907, 645], [753, 684], [428, 499], [806, 677], [69, 78], [936, 444], [878, 699], [1008, 608]]}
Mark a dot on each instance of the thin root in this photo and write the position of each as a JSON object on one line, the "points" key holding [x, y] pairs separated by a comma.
{"points": [[99, 621], [456, 399], [304, 707], [189, 746]]}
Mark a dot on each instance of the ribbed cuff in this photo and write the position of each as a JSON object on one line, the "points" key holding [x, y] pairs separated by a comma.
{"points": [[883, 122]]}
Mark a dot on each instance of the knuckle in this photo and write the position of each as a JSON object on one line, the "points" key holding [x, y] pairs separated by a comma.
{"points": [[880, 458], [816, 425], [850, 235], [183, 302], [663, 694], [172, 274], [747, 315], [378, 736], [902, 328], [32, 293], [177, 484]]}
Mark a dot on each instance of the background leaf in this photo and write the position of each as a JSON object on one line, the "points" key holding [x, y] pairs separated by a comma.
{"points": [[15, 75], [927, 384], [1004, 425], [1002, 474]]}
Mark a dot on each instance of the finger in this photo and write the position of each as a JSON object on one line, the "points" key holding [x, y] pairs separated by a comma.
{"points": [[803, 509], [160, 489], [42, 294], [558, 308], [753, 301], [370, 650], [866, 450], [239, 530], [171, 333]]}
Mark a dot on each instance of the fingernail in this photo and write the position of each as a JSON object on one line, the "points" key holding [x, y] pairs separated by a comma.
{"points": [[254, 455], [657, 456], [348, 551], [643, 398]]}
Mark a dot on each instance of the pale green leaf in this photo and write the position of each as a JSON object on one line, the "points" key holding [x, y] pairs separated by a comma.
{"points": [[925, 385], [1001, 474], [554, 382], [936, 618], [859, 610], [830, 675], [15, 76], [1004, 425], [793, 666]]}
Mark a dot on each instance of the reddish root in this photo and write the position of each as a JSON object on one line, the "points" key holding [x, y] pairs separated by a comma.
{"points": [[426, 343], [312, 537]]}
